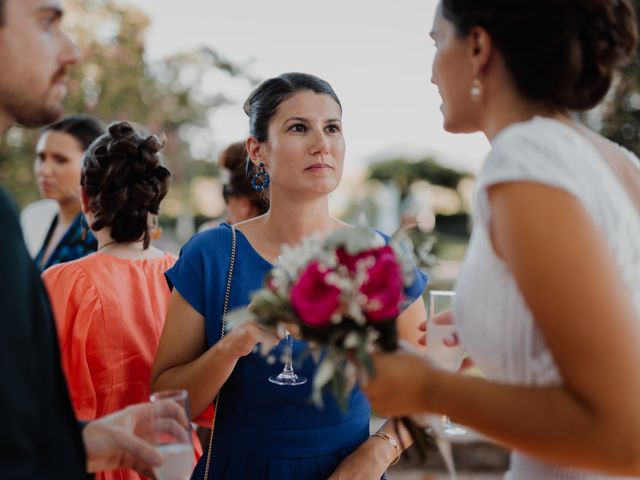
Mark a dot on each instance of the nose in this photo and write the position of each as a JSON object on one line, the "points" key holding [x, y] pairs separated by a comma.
{"points": [[43, 168], [70, 54], [320, 144]]}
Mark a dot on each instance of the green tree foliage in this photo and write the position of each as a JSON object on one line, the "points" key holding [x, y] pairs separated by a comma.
{"points": [[404, 172], [116, 82], [619, 118]]}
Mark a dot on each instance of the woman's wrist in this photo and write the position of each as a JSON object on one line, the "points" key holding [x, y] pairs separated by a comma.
{"points": [[387, 447]]}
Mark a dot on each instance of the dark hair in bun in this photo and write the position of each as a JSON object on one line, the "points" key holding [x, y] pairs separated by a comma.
{"points": [[125, 182], [562, 53], [234, 159]]}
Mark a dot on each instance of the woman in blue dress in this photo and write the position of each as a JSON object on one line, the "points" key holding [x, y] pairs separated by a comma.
{"points": [[262, 430]]}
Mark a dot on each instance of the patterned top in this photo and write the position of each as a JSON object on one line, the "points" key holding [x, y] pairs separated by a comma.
{"points": [[496, 325], [71, 246]]}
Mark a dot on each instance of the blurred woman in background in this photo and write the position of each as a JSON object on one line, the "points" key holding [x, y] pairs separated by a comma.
{"points": [[242, 201], [57, 168]]}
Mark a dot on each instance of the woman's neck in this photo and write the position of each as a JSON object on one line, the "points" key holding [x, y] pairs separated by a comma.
{"points": [[68, 210], [289, 222], [106, 243], [508, 106]]}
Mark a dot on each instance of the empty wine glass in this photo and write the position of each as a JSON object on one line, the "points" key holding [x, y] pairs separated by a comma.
{"points": [[444, 356], [288, 376], [173, 440]]}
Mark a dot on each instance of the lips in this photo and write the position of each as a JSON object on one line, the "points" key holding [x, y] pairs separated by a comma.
{"points": [[46, 185], [319, 167]]}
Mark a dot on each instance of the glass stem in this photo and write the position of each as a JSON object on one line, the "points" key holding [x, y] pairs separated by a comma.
{"points": [[288, 353]]}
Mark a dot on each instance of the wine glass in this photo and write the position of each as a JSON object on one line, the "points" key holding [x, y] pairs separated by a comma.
{"points": [[288, 376], [173, 440], [444, 356]]}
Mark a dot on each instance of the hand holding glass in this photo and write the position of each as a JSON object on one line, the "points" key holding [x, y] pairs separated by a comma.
{"points": [[173, 440]]}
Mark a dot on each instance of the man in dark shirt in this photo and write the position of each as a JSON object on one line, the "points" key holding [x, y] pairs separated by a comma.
{"points": [[40, 437]]}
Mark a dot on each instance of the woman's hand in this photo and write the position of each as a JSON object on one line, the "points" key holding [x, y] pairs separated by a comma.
{"points": [[446, 318], [401, 382], [240, 341], [368, 462]]}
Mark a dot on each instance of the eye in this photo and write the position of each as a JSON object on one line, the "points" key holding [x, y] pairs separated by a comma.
{"points": [[333, 128], [47, 22], [298, 127]]}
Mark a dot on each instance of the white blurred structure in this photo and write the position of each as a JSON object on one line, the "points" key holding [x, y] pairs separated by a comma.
{"points": [[35, 220]]}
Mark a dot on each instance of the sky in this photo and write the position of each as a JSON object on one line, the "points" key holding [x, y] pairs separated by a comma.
{"points": [[377, 55]]}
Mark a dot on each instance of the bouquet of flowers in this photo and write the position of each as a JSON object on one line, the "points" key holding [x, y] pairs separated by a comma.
{"points": [[344, 293]]}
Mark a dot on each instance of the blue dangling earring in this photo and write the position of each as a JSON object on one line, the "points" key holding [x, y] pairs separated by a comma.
{"points": [[260, 180]]}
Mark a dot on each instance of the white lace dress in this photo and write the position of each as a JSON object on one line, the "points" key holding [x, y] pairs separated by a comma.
{"points": [[495, 324]]}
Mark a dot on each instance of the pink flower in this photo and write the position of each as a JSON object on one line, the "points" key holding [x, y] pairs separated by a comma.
{"points": [[384, 287], [313, 299]]}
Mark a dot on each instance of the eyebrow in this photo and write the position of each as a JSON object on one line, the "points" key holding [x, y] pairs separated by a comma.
{"points": [[302, 119], [58, 12]]}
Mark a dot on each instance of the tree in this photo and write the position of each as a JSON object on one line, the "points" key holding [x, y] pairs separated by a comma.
{"points": [[619, 117], [404, 172]]}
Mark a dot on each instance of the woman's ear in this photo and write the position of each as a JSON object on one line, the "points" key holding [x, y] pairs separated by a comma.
{"points": [[84, 200], [480, 50], [255, 150]]}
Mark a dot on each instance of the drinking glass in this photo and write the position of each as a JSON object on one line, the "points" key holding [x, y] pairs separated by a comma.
{"points": [[288, 376], [446, 357], [173, 440]]}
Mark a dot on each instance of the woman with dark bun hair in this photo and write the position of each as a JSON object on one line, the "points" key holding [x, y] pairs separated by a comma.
{"points": [[110, 306], [262, 430], [548, 300]]}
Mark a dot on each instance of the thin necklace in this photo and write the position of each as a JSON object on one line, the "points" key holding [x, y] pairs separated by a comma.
{"points": [[112, 242]]}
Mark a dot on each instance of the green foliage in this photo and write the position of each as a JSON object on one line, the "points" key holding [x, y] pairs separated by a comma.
{"points": [[621, 115], [404, 172]]}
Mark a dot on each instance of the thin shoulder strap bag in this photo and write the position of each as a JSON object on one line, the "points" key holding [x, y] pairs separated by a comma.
{"points": [[225, 310]]}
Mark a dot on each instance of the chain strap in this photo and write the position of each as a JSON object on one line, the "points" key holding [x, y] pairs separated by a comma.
{"points": [[225, 310]]}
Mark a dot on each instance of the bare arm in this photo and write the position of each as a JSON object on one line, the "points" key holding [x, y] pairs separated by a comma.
{"points": [[571, 283], [184, 361], [409, 324], [373, 457]]}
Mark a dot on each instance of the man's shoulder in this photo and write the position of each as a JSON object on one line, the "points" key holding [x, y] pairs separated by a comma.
{"points": [[11, 239]]}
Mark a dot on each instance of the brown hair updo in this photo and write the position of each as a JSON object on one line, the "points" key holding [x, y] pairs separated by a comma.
{"points": [[125, 182], [234, 159], [562, 53]]}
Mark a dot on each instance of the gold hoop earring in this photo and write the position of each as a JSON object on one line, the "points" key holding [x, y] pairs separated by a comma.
{"points": [[476, 90]]}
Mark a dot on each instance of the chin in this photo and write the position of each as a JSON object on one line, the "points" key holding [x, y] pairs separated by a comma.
{"points": [[458, 126]]}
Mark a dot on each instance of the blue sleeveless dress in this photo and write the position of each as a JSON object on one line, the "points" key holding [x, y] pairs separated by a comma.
{"points": [[264, 431]]}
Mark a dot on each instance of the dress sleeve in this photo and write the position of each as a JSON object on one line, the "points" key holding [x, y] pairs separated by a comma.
{"points": [[187, 275], [80, 325], [416, 289], [529, 153]]}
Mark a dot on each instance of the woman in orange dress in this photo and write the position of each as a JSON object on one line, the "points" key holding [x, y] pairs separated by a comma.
{"points": [[110, 306]]}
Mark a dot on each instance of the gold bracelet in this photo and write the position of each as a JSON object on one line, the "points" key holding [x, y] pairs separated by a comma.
{"points": [[393, 442]]}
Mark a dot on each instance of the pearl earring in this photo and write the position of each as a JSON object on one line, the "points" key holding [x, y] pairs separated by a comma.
{"points": [[476, 90]]}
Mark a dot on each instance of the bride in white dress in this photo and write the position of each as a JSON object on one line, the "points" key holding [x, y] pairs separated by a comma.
{"points": [[548, 301]]}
